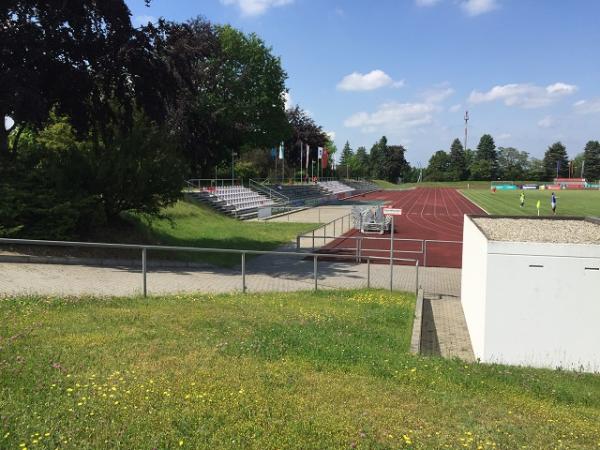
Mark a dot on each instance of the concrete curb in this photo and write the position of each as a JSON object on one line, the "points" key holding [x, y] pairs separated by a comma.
{"points": [[415, 341], [105, 262]]}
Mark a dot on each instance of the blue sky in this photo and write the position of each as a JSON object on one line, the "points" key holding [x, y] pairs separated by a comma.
{"points": [[528, 71]]}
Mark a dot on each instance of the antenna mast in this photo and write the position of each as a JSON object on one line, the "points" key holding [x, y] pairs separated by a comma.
{"points": [[466, 127]]}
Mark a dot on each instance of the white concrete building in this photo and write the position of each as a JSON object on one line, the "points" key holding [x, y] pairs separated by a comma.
{"points": [[530, 291]]}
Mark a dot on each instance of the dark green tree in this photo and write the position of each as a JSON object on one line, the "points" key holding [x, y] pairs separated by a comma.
{"points": [[377, 157], [360, 162], [82, 59], [556, 162], [591, 156], [438, 168], [512, 164], [536, 170], [303, 129], [457, 167], [396, 162], [485, 166], [346, 155]]}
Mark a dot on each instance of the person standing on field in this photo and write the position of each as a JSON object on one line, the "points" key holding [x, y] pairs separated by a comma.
{"points": [[522, 198], [553, 204]]}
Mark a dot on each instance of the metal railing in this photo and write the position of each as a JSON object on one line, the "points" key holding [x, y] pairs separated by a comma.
{"points": [[342, 224], [145, 248], [359, 247], [271, 193], [199, 183]]}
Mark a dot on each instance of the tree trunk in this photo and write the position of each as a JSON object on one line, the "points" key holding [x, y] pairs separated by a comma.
{"points": [[3, 141]]}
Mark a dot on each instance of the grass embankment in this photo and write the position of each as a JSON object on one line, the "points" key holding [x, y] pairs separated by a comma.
{"points": [[191, 225], [569, 203], [299, 370]]}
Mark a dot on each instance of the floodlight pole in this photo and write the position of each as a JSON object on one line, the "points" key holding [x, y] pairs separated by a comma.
{"points": [[466, 127]]}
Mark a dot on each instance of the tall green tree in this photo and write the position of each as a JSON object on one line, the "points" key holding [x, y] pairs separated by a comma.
{"points": [[377, 158], [485, 166], [438, 168], [346, 155], [457, 167], [512, 164], [396, 162], [82, 59], [556, 161], [360, 162], [591, 156], [303, 129]]}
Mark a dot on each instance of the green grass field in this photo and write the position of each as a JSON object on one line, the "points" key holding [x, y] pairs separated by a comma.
{"points": [[297, 370], [192, 225], [569, 203]]}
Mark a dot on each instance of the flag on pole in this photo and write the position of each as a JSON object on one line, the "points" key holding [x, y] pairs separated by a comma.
{"points": [[325, 159], [281, 151], [320, 152], [301, 156], [307, 156]]}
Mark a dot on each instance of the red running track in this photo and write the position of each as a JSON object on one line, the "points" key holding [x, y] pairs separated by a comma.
{"points": [[427, 214]]}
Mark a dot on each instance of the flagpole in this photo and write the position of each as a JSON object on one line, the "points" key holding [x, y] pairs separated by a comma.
{"points": [[301, 151]]}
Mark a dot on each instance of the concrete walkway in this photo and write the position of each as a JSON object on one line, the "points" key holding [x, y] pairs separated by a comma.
{"points": [[265, 273], [444, 329]]}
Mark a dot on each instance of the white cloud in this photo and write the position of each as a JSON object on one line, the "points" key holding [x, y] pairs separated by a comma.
{"points": [[8, 122], [256, 7], [138, 21], [546, 122], [331, 135], [426, 2], [524, 95], [587, 106], [455, 108], [393, 116], [477, 7], [437, 94], [373, 80], [561, 89], [502, 136]]}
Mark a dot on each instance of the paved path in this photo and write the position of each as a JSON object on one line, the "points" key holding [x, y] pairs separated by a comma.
{"points": [[444, 331], [265, 273]]}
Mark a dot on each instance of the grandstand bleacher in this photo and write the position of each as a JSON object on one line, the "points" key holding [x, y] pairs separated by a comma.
{"points": [[361, 185], [299, 194], [237, 201], [335, 187]]}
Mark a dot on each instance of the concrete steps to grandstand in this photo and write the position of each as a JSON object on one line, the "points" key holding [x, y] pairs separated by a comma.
{"points": [[236, 201], [361, 185], [335, 187]]}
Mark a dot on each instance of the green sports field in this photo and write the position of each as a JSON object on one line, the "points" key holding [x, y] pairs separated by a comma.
{"points": [[569, 203]]}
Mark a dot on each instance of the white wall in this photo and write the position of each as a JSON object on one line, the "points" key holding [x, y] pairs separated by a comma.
{"points": [[543, 316], [473, 284], [532, 304]]}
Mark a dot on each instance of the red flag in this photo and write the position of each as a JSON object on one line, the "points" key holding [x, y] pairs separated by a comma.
{"points": [[325, 159]]}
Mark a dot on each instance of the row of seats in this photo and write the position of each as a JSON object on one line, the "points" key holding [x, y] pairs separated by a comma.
{"points": [[360, 185], [238, 197], [335, 187]]}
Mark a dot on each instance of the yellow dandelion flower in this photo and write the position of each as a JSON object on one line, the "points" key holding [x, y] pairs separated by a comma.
{"points": [[181, 443]]}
